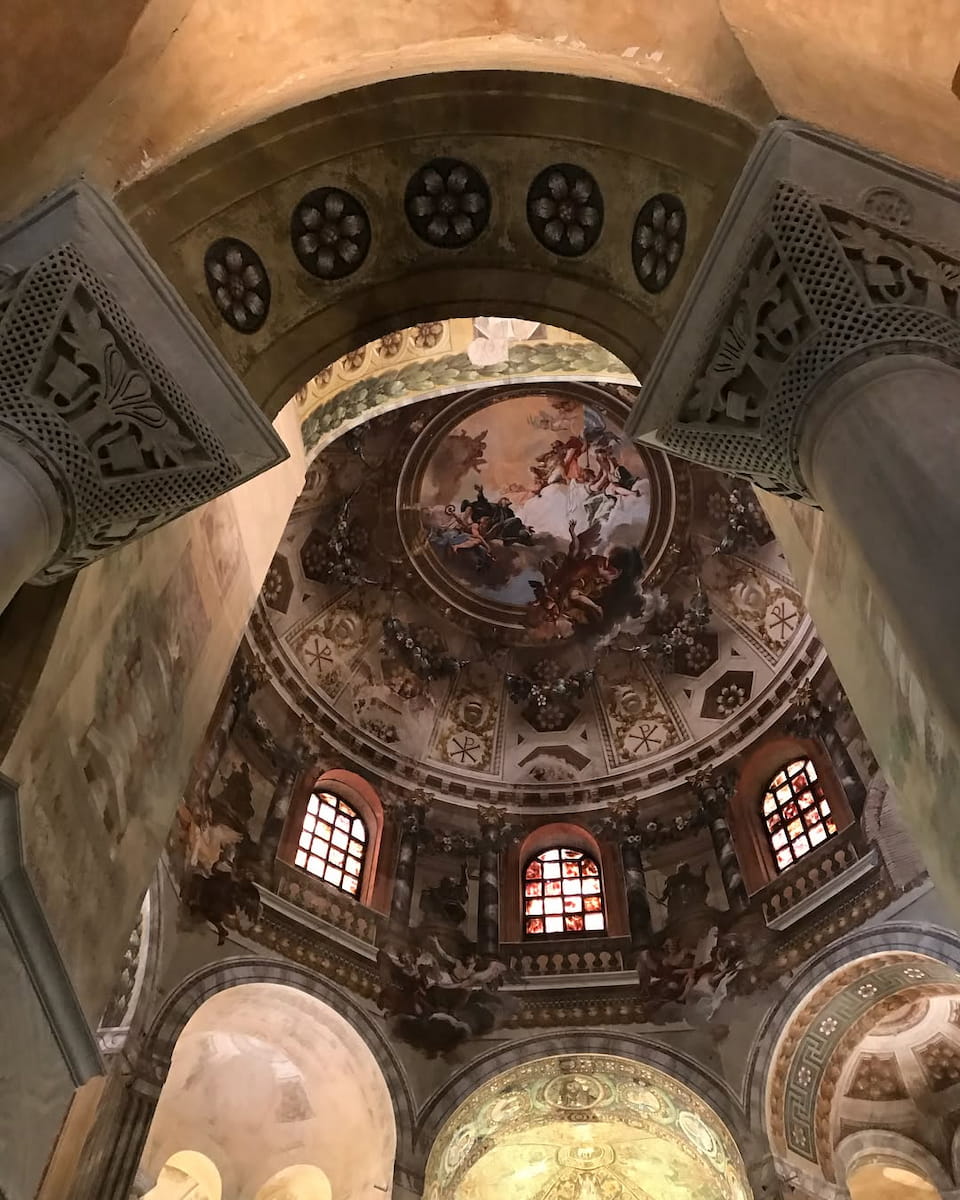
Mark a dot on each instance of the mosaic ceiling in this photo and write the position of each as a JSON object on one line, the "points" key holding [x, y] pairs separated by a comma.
{"points": [[590, 1127], [497, 589]]}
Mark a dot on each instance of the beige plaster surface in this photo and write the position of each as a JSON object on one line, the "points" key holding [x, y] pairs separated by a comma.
{"points": [[105, 747], [132, 95], [194, 71], [877, 71], [265, 1078]]}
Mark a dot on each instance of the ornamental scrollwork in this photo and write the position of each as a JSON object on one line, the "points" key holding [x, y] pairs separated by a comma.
{"points": [[768, 324]]}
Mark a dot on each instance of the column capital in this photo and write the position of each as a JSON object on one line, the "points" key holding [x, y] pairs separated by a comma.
{"points": [[110, 382], [828, 255]]}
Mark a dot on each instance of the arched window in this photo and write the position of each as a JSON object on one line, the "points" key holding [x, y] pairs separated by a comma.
{"points": [[562, 894], [796, 813], [333, 842]]}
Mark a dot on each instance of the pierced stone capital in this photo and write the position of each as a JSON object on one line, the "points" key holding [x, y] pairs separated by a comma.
{"points": [[827, 256], [110, 384]]}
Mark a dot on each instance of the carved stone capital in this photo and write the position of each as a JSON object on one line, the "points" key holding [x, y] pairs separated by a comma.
{"points": [[110, 383], [827, 255]]}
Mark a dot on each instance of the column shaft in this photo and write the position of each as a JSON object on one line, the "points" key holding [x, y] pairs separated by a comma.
{"points": [[31, 519], [404, 876], [275, 820], [729, 864], [881, 453], [638, 907], [488, 897]]}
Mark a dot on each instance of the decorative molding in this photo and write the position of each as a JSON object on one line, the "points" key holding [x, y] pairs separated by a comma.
{"points": [[811, 271], [24, 917], [111, 384], [788, 914]]}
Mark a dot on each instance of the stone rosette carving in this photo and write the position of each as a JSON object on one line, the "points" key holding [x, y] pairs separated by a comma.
{"points": [[239, 284], [447, 203], [99, 398], [659, 236], [565, 210], [811, 270], [330, 233]]}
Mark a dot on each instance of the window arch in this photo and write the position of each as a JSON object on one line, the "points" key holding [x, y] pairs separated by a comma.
{"points": [[562, 893], [333, 842], [796, 813]]}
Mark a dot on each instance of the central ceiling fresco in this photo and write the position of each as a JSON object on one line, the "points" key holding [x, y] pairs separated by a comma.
{"points": [[496, 590], [531, 511]]}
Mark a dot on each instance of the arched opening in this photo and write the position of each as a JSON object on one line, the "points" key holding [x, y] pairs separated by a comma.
{"points": [[334, 833], [300, 1182], [265, 1078], [187, 1175], [634, 144], [562, 893], [866, 1074], [889, 1181], [588, 1125]]}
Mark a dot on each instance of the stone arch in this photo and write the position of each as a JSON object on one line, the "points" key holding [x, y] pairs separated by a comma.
{"points": [[872, 1145], [828, 1006], [265, 1075], [543, 1089], [636, 143], [186, 999], [445, 1100]]}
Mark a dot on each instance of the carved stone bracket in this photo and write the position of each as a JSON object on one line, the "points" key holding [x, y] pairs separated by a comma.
{"points": [[826, 256], [110, 384]]}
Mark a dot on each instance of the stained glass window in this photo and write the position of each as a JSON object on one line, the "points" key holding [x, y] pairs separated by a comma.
{"points": [[333, 840], [796, 813], [562, 894]]}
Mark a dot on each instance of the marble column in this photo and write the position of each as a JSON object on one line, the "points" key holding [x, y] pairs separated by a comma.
{"points": [[880, 449], [110, 1160], [818, 355], [409, 813], [713, 790], [492, 821], [638, 906], [275, 820], [116, 412]]}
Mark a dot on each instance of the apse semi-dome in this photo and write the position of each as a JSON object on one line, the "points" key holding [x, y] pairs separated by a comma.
{"points": [[468, 592], [585, 1127]]}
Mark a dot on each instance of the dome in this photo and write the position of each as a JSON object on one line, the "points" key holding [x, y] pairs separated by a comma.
{"points": [[589, 1127], [474, 594]]}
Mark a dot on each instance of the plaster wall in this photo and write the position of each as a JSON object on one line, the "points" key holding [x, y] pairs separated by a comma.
{"points": [[876, 71], [104, 750], [194, 70], [135, 84]]}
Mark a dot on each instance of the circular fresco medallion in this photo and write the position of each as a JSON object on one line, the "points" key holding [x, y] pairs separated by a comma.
{"points": [[534, 512], [573, 1092], [460, 1145], [697, 1132], [508, 1108], [644, 1099]]}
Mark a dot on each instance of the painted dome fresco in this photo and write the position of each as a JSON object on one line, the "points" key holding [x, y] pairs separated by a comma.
{"points": [[496, 590], [591, 1127]]}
